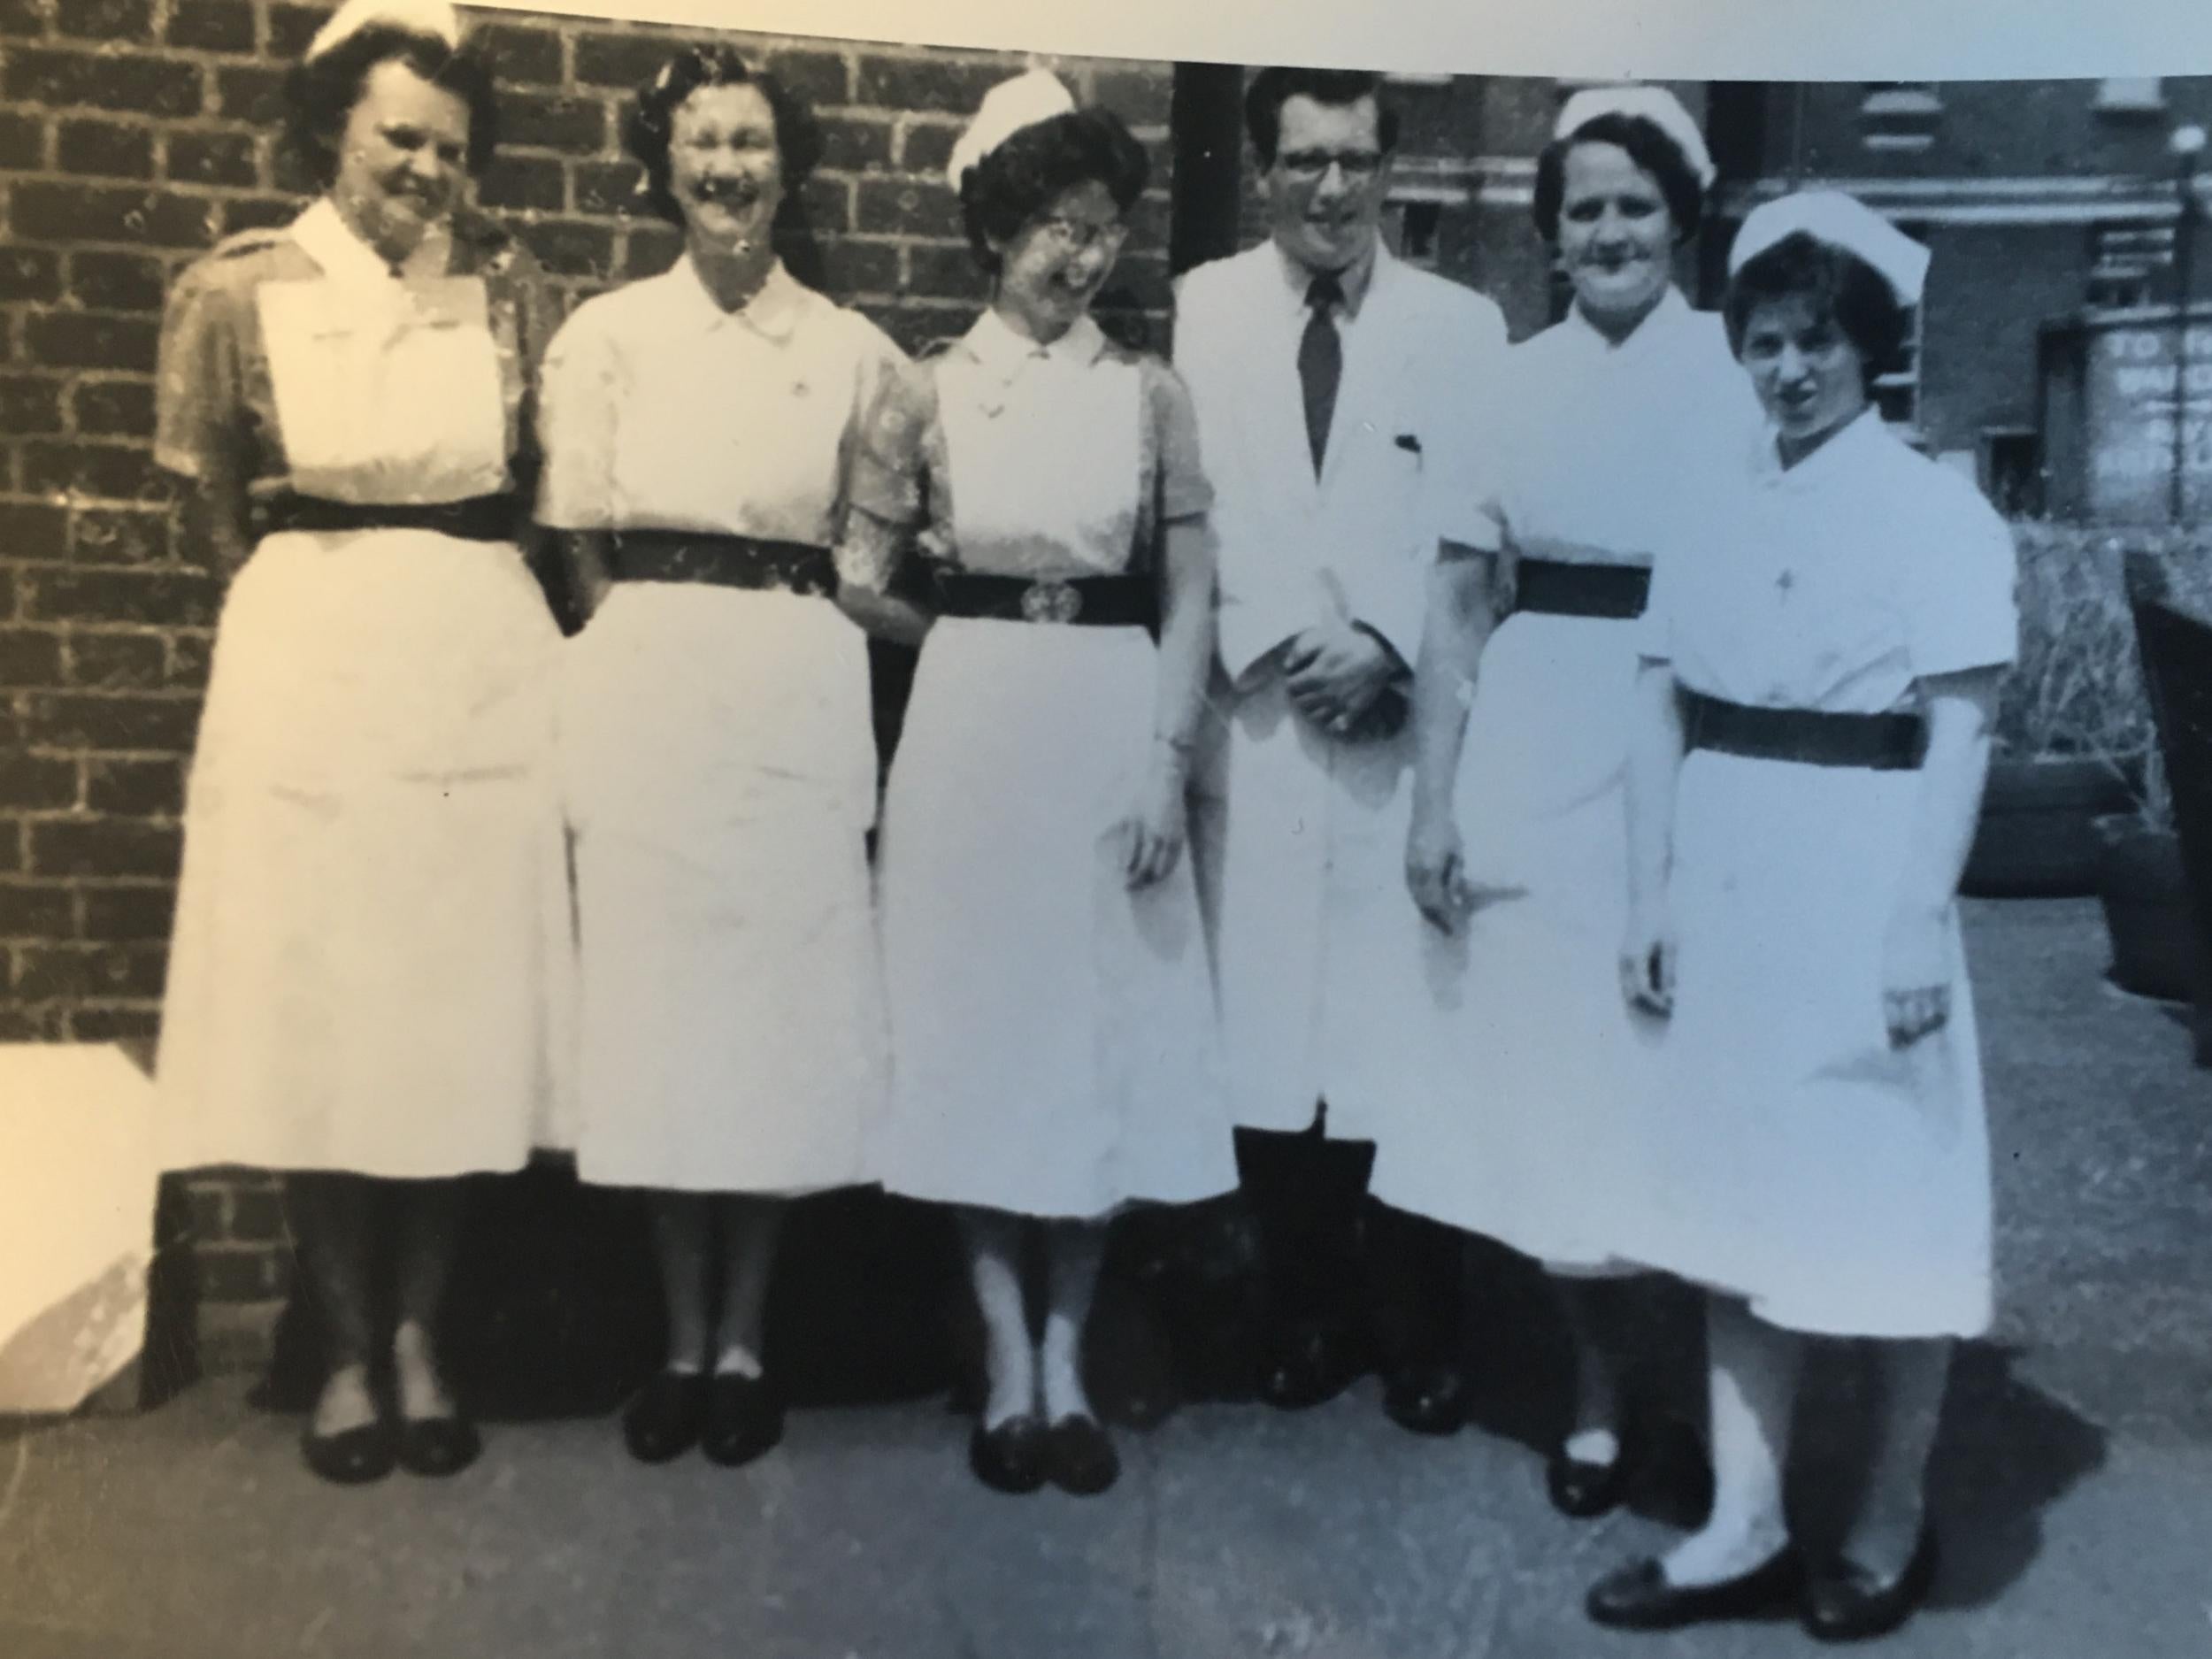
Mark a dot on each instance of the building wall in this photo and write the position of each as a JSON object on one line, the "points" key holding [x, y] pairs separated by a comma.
{"points": [[135, 134]]}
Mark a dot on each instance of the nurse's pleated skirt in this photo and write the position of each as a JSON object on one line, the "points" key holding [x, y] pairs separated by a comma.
{"points": [[1840, 1185], [1056, 1053], [369, 967], [721, 775]]}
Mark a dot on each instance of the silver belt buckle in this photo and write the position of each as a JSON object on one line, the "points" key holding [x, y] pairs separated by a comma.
{"points": [[1051, 602]]}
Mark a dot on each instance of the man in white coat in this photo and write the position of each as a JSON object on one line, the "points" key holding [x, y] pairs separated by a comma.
{"points": [[1339, 393]]}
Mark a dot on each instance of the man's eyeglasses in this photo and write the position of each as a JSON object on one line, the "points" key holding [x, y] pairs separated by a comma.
{"points": [[1310, 167]]}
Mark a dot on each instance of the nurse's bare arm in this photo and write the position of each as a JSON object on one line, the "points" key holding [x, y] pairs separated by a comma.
{"points": [[1156, 829], [1654, 767], [1462, 612], [586, 556], [1915, 960], [869, 554]]}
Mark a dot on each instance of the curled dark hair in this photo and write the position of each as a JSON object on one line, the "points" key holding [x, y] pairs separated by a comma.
{"points": [[1271, 89], [1647, 146], [320, 93], [1837, 284], [650, 123], [1027, 173]]}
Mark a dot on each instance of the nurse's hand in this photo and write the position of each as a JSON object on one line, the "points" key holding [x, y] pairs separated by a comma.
{"points": [[1647, 955], [1436, 871], [1334, 672], [1915, 976], [1151, 837]]}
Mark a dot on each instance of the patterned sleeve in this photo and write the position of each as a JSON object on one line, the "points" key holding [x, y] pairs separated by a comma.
{"points": [[1181, 490], [576, 414], [1962, 589], [895, 475], [198, 392]]}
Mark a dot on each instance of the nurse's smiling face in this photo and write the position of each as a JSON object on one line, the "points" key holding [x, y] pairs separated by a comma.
{"points": [[1617, 235], [402, 158], [1810, 376], [1051, 270], [723, 168]]}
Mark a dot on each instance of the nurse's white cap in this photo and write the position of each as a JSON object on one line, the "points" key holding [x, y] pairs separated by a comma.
{"points": [[1028, 98], [1841, 221], [433, 20], [1655, 105]]}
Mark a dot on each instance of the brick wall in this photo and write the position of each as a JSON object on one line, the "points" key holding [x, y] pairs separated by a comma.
{"points": [[133, 135]]}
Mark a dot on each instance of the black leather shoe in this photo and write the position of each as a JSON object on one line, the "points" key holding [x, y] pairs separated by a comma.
{"points": [[353, 1457], [1581, 1490], [1310, 1365], [1427, 1399], [1012, 1457], [662, 1421], [1843, 1601], [1638, 1597], [744, 1419], [1079, 1457], [438, 1445]]}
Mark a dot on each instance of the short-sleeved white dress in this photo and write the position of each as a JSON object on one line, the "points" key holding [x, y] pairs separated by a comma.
{"points": [[1055, 1034], [716, 745], [1840, 1185], [1541, 1141]]}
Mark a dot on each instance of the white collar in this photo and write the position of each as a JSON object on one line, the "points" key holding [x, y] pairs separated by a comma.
{"points": [[1662, 319], [772, 312], [1863, 433], [1003, 354], [324, 236], [1359, 280]]}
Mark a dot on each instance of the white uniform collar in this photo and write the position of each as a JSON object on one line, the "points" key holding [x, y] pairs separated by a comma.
{"points": [[323, 233], [1004, 354], [1861, 436], [771, 313], [1670, 313], [1360, 280]]}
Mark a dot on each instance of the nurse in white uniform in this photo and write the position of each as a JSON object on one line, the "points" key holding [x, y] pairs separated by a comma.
{"points": [[1519, 840], [717, 745], [1052, 1020], [372, 920], [1811, 740]]}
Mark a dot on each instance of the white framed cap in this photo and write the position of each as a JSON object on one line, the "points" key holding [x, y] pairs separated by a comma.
{"points": [[1842, 221], [1655, 105], [435, 20], [1035, 96]]}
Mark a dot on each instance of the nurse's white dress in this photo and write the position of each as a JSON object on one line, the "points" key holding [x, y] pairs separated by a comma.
{"points": [[369, 966], [717, 750], [1543, 1141], [1840, 1185], [1056, 1052]]}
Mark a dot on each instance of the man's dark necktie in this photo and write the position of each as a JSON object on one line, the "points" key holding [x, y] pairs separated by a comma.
{"points": [[1321, 364]]}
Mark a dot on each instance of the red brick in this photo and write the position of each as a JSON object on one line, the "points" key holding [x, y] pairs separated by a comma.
{"points": [[566, 248], [926, 148], [90, 339], [31, 909], [620, 60], [25, 20], [291, 28], [826, 205], [46, 973], [523, 55], [229, 158], [29, 657], [649, 248], [105, 19], [251, 92], [13, 832], [257, 212], [191, 652], [926, 83], [34, 530], [576, 124], [211, 26], [152, 598], [76, 212], [534, 182], [1139, 96], [854, 143], [907, 208], [118, 662], [34, 783], [943, 271], [134, 788], [106, 472], [129, 914], [816, 78], [850, 266], [29, 403], [19, 1025], [610, 187], [30, 273], [114, 408], [114, 1023], [22, 140], [104, 847], [100, 535], [102, 80], [109, 281], [240, 1272], [105, 149]]}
